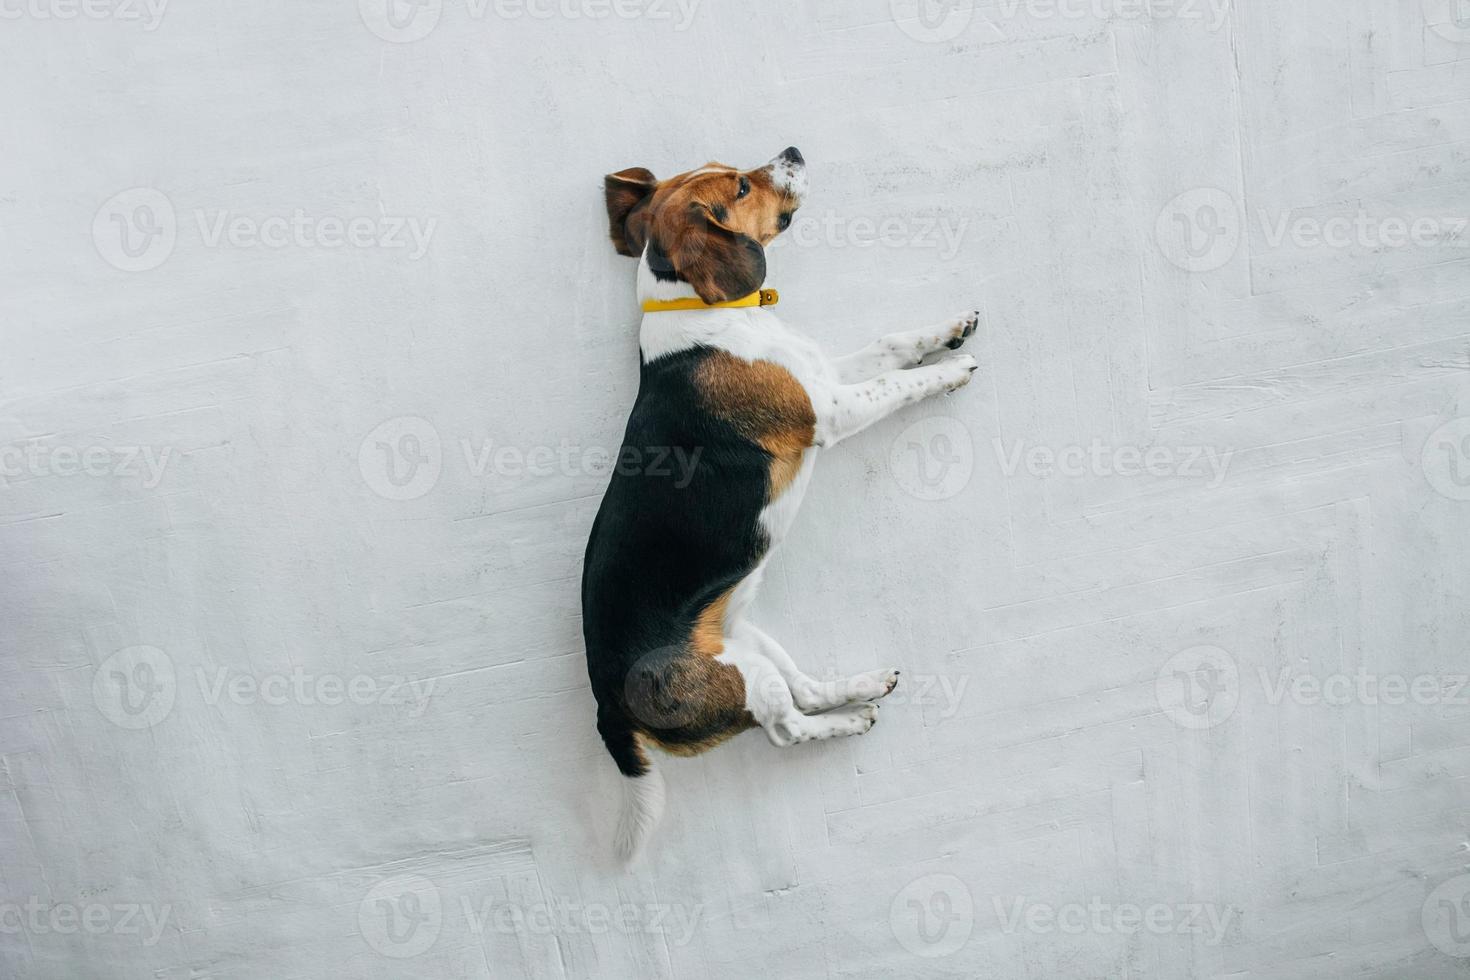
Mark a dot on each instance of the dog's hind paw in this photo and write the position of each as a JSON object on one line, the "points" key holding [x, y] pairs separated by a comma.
{"points": [[873, 685]]}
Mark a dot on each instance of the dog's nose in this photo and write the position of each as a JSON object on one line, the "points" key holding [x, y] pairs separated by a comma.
{"points": [[792, 155]]}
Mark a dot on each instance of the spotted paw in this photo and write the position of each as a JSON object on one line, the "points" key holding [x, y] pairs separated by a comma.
{"points": [[959, 369], [963, 327], [890, 682], [856, 718], [873, 685]]}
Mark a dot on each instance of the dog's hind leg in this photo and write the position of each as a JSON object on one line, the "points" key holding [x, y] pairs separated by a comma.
{"points": [[771, 703], [810, 695]]}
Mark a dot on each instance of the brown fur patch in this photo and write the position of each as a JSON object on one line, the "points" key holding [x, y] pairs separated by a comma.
{"points": [[640, 750], [708, 637], [766, 404], [626, 193], [701, 704], [718, 263], [715, 188], [714, 738]]}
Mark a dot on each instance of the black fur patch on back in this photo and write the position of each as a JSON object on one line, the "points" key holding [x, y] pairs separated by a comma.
{"points": [[666, 544]]}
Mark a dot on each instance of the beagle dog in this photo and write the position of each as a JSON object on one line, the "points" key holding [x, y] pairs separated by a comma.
{"points": [[675, 556]]}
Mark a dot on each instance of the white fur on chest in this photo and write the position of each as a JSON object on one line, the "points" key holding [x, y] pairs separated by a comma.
{"points": [[753, 333], [750, 333]]}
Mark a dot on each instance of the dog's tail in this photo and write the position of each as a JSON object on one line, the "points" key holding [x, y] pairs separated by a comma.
{"points": [[643, 788], [643, 805]]}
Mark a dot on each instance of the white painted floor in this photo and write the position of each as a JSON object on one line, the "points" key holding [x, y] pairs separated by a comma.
{"points": [[312, 348]]}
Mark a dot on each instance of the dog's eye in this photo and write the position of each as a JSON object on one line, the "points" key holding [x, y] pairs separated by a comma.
{"points": [[744, 188], [784, 221]]}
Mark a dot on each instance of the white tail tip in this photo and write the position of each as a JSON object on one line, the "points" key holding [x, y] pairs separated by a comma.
{"points": [[643, 804]]}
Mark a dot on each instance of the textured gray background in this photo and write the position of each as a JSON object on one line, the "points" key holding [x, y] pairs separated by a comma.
{"points": [[1109, 757]]}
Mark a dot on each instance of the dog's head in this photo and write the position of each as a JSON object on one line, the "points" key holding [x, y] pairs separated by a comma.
{"points": [[708, 227]]}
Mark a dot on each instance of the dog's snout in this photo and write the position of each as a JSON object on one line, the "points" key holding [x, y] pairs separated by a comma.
{"points": [[789, 173]]}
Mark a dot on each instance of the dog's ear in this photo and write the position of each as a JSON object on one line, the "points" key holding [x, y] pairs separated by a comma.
{"points": [[627, 193], [720, 263]]}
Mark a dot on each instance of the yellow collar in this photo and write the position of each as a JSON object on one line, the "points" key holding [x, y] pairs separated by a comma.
{"points": [[761, 297]]}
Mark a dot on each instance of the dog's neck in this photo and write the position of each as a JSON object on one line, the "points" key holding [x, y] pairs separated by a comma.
{"points": [[668, 332], [653, 287]]}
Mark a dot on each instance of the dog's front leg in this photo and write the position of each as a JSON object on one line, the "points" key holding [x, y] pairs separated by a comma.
{"points": [[905, 349], [850, 408]]}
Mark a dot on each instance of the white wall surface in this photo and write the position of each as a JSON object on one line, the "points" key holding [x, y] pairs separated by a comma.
{"points": [[1111, 695]]}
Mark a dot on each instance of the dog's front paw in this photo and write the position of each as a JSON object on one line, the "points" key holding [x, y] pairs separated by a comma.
{"points": [[963, 326], [958, 370]]}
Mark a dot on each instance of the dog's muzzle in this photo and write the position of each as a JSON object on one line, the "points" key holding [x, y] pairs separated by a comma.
{"points": [[788, 172]]}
